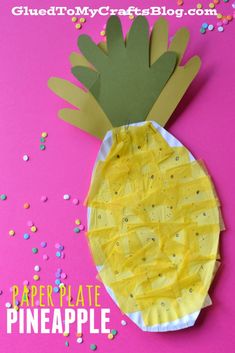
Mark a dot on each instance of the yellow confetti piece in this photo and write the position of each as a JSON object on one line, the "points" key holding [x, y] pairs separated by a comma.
{"points": [[78, 26]]}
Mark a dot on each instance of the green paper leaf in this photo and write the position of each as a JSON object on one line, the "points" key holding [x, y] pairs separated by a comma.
{"points": [[85, 75], [127, 86], [89, 117], [103, 46], [158, 39], [79, 60], [115, 41], [178, 82], [179, 42], [174, 91], [137, 43], [92, 52]]}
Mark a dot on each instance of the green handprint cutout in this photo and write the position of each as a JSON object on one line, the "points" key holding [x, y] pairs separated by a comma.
{"points": [[125, 84], [86, 112], [178, 82]]}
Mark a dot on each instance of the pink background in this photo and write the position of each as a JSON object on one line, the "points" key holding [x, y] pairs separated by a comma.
{"points": [[35, 48]]}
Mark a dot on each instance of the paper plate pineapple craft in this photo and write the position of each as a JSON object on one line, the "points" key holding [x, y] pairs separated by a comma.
{"points": [[153, 215]]}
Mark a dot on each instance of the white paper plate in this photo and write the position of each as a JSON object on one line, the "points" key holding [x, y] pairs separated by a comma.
{"points": [[136, 317]]}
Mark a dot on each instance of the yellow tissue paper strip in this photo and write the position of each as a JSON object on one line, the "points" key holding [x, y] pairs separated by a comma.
{"points": [[154, 225]]}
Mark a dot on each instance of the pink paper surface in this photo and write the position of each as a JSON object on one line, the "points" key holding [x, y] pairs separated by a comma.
{"points": [[35, 48]]}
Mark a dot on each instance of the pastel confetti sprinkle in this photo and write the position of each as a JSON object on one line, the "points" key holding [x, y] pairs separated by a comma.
{"points": [[75, 201], [66, 197], [26, 236], [93, 347], [42, 147], [3, 197], [11, 232], [44, 198], [205, 25], [25, 158], [180, 2]]}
